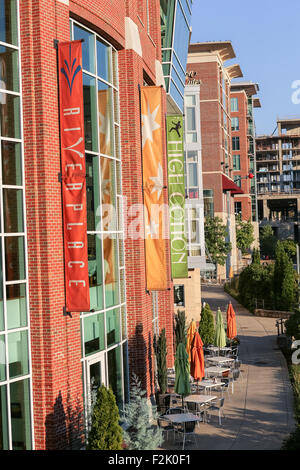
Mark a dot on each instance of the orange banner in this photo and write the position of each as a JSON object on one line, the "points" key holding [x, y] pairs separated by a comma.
{"points": [[73, 176], [155, 253]]}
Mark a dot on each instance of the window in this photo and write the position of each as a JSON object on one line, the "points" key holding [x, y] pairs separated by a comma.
{"points": [[179, 295], [236, 162], [237, 180], [237, 208], [235, 124], [234, 104], [208, 198], [104, 327], [235, 143], [15, 366]]}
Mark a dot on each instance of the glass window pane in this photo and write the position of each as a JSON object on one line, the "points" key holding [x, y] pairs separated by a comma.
{"points": [[193, 175], [105, 111], [115, 68], [104, 61], [11, 163], [192, 155], [88, 48], [16, 306], [115, 373], [10, 116], [9, 73], [93, 193], [108, 194], [4, 445], [111, 271], [191, 137], [190, 119], [14, 258], [112, 327], [90, 113], [94, 334], [95, 272], [2, 359], [18, 353], [190, 100], [8, 22], [1, 294], [20, 415], [13, 210]]}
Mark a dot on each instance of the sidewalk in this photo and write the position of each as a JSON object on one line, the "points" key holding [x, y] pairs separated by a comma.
{"points": [[259, 415]]}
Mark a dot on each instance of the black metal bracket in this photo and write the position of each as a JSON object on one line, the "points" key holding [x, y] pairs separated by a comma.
{"points": [[59, 176], [147, 292], [55, 43], [65, 313]]}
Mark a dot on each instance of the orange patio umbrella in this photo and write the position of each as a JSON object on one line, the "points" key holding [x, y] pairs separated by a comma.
{"points": [[190, 336], [231, 322], [197, 358]]}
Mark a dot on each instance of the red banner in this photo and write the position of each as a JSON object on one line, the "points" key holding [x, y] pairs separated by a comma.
{"points": [[73, 176]]}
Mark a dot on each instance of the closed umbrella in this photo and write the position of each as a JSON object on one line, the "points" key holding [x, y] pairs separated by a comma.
{"points": [[182, 372], [197, 358], [231, 322], [220, 337], [190, 336]]}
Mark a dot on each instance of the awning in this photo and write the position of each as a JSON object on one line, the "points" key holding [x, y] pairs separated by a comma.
{"points": [[229, 185]]}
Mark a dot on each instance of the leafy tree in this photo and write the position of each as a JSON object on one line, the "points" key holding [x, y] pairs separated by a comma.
{"points": [[140, 434], [255, 256], [292, 325], [244, 234], [267, 241], [160, 348], [180, 328], [105, 433], [215, 239], [289, 247], [207, 325], [256, 282]]}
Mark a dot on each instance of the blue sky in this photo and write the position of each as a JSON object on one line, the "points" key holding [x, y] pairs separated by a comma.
{"points": [[265, 35]]}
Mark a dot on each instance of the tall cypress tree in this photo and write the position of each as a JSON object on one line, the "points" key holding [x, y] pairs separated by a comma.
{"points": [[105, 433], [280, 260], [207, 326], [255, 256], [180, 328], [160, 347]]}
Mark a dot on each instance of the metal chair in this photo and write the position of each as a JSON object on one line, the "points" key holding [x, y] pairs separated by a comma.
{"points": [[187, 429], [217, 405]]}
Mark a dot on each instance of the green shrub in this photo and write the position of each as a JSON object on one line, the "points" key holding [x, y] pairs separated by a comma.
{"points": [[160, 348], [180, 328], [105, 433], [292, 325]]}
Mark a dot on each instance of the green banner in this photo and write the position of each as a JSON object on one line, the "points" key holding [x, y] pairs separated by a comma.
{"points": [[176, 186]]}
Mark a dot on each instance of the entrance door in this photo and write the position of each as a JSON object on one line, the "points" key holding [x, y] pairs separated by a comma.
{"points": [[95, 377]]}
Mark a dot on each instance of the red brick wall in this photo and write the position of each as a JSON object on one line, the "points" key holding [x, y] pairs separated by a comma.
{"points": [[55, 339]]}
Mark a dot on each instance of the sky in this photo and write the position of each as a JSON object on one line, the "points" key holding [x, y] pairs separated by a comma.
{"points": [[265, 36]]}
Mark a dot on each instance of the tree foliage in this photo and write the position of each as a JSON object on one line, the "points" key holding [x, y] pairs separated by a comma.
{"points": [[180, 328], [140, 434], [292, 325], [255, 256], [267, 241], [244, 234], [105, 433], [215, 239], [256, 282], [289, 247], [207, 326], [160, 347], [284, 279]]}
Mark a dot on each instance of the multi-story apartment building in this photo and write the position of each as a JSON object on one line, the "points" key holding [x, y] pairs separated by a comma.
{"points": [[243, 146], [206, 62], [278, 178], [49, 360]]}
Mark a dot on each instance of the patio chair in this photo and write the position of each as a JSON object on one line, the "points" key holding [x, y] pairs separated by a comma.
{"points": [[217, 405], [237, 365], [187, 429], [165, 426]]}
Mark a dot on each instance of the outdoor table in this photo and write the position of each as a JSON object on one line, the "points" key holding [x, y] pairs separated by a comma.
{"points": [[209, 384], [181, 418], [220, 359], [200, 400], [215, 349], [216, 370]]}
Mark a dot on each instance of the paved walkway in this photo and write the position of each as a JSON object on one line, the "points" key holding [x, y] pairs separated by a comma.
{"points": [[259, 415]]}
